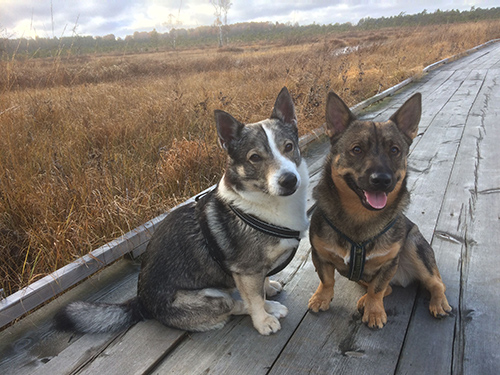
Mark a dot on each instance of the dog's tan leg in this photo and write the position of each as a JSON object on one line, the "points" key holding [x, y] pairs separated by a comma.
{"points": [[372, 303], [372, 306], [387, 291], [251, 288], [321, 299]]}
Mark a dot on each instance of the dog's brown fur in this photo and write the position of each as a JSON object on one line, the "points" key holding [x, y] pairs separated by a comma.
{"points": [[362, 190]]}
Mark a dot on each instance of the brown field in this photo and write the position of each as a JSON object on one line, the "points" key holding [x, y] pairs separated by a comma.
{"points": [[93, 146]]}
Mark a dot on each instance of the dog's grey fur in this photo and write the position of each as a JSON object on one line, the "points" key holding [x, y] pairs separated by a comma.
{"points": [[181, 284]]}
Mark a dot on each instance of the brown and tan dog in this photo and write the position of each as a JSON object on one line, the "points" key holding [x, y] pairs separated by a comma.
{"points": [[358, 227]]}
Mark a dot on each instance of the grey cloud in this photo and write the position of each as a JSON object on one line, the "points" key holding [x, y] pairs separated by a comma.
{"points": [[100, 17]]}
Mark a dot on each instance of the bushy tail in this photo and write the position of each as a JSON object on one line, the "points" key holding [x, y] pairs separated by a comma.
{"points": [[86, 317]]}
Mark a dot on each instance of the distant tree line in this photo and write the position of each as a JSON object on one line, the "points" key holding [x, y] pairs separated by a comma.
{"points": [[246, 32], [424, 18]]}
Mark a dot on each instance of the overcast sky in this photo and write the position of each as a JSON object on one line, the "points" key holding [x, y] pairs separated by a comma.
{"points": [[48, 18]]}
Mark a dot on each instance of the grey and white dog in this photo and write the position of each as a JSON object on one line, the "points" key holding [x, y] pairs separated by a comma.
{"points": [[235, 236]]}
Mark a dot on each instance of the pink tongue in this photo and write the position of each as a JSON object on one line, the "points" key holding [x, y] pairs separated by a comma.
{"points": [[376, 199]]}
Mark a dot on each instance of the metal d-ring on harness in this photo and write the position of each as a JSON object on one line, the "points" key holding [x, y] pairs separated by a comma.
{"points": [[252, 221], [358, 250]]}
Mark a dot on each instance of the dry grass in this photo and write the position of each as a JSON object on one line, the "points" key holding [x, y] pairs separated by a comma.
{"points": [[93, 147]]}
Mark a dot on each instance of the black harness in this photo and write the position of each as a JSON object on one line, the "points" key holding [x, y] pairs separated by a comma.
{"points": [[358, 250], [270, 229]]}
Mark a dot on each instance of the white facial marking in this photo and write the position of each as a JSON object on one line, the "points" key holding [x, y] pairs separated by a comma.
{"points": [[285, 165]]}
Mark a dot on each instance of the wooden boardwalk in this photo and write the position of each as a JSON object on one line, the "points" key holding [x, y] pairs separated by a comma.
{"points": [[455, 186]]}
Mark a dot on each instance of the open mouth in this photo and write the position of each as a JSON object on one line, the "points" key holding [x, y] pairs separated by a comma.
{"points": [[374, 199]]}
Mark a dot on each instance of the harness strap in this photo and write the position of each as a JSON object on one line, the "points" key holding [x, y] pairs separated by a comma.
{"points": [[270, 229], [358, 250], [267, 228], [213, 247]]}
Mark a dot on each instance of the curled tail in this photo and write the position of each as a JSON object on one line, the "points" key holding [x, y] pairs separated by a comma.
{"points": [[86, 317]]}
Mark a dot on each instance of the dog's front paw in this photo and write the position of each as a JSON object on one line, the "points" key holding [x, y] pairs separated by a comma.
{"points": [[276, 309], [375, 319], [374, 315], [273, 288], [439, 307], [266, 324], [319, 301]]}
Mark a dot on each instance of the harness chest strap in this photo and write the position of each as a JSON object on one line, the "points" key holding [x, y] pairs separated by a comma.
{"points": [[254, 222], [357, 258]]}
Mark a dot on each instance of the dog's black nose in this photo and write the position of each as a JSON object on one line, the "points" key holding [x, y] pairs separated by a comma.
{"points": [[380, 181], [288, 181]]}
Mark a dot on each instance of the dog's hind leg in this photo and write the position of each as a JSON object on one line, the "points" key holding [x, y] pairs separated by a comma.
{"points": [[426, 271], [239, 308], [438, 305], [200, 310]]}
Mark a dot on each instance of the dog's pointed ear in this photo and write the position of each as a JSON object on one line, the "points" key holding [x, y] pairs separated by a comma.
{"points": [[228, 128], [408, 115], [284, 109], [338, 115]]}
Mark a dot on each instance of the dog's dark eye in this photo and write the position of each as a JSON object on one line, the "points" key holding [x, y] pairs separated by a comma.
{"points": [[289, 147], [357, 150], [255, 158], [394, 150]]}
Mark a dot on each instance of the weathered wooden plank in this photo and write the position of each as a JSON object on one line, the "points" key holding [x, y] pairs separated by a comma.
{"points": [[433, 81], [426, 85], [482, 59], [434, 157], [337, 342], [478, 334], [466, 57], [431, 161], [448, 244], [32, 343], [137, 351], [75, 356], [486, 59], [437, 94]]}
